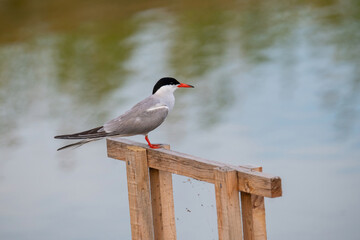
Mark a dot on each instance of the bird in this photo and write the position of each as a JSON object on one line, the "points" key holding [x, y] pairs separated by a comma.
{"points": [[141, 119]]}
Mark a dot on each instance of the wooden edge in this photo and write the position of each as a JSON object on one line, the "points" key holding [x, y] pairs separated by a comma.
{"points": [[253, 214], [249, 181], [227, 204], [274, 184], [162, 205], [252, 168], [137, 171], [162, 200]]}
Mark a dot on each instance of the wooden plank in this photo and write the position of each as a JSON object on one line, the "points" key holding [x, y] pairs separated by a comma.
{"points": [[253, 215], [162, 204], [263, 185], [183, 164], [141, 220], [227, 204], [201, 169], [252, 168]]}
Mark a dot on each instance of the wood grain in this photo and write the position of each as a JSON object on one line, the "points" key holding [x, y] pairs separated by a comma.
{"points": [[227, 204], [253, 215], [162, 199], [163, 205], [249, 181], [137, 171]]}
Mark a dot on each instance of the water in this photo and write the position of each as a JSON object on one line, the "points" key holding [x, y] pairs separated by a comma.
{"points": [[277, 85]]}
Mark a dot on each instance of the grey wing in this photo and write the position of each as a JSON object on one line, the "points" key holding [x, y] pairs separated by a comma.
{"points": [[141, 119]]}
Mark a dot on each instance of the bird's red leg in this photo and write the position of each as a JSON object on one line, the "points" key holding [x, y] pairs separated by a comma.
{"points": [[152, 145]]}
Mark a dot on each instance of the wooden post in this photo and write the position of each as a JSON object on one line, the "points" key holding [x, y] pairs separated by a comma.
{"points": [[227, 204], [253, 214], [163, 204], [137, 171], [152, 214]]}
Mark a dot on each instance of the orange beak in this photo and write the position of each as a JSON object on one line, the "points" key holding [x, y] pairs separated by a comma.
{"points": [[185, 85]]}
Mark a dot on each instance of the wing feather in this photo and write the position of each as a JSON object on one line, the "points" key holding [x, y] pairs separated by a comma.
{"points": [[97, 132], [141, 119]]}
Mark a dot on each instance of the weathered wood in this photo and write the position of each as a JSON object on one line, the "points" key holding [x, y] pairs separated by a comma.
{"points": [[186, 165], [227, 204], [141, 220], [162, 205], [162, 199], [253, 215], [260, 184], [252, 168]]}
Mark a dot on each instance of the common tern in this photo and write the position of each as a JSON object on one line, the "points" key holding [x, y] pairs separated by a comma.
{"points": [[141, 119]]}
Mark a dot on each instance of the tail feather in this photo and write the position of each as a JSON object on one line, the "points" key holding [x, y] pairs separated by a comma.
{"points": [[78, 144], [97, 132]]}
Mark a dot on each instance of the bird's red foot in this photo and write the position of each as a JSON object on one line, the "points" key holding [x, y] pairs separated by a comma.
{"points": [[155, 146]]}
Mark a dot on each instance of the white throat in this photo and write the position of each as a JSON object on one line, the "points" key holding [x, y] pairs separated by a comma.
{"points": [[166, 95]]}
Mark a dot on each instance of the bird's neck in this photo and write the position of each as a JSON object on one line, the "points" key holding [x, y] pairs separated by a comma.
{"points": [[166, 96]]}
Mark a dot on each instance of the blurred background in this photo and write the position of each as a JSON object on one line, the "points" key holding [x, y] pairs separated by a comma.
{"points": [[277, 84]]}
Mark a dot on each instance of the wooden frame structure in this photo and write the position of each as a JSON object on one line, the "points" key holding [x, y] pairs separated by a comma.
{"points": [[151, 202]]}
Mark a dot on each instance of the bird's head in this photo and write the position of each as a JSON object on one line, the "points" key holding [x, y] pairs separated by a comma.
{"points": [[169, 84]]}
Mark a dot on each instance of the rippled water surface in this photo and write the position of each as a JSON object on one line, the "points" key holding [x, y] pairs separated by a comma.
{"points": [[277, 84]]}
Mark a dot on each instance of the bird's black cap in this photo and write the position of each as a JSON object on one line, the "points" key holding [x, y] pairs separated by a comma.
{"points": [[165, 81]]}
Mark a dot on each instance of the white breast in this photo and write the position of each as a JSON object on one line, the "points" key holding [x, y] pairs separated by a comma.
{"points": [[166, 96]]}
